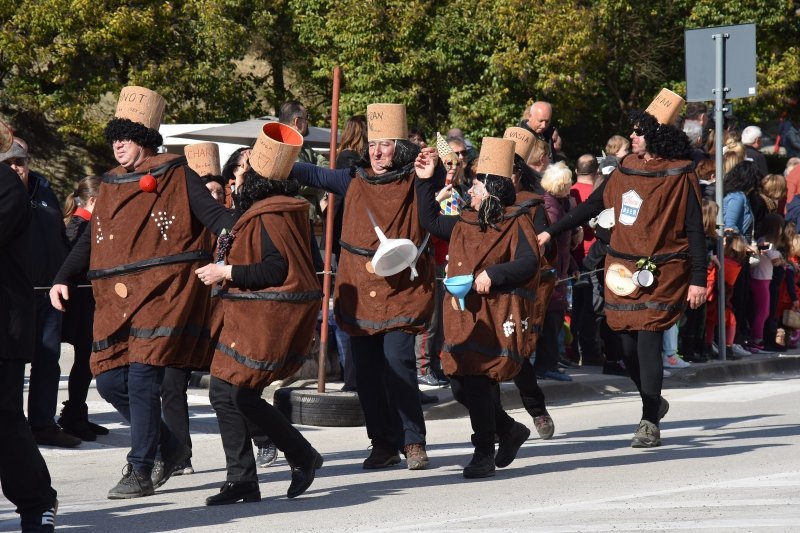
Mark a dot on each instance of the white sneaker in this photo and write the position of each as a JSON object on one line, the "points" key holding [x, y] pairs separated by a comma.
{"points": [[714, 348], [674, 361], [739, 351], [667, 373]]}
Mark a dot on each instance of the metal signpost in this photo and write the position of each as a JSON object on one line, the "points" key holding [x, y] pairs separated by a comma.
{"points": [[732, 51]]}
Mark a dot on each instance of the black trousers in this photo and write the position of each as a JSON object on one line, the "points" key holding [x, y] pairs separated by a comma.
{"points": [[480, 395], [236, 408], [386, 377], [584, 322], [529, 390], [23, 472], [547, 348], [642, 352], [174, 403]]}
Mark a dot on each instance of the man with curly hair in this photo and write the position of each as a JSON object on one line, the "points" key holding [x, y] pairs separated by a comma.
{"points": [[147, 237], [656, 257]]}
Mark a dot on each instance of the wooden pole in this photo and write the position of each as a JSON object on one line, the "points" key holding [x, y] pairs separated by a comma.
{"points": [[326, 277]]}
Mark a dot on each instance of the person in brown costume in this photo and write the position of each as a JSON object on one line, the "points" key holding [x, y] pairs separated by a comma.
{"points": [[656, 258], [489, 340], [147, 237], [268, 273], [530, 197], [382, 313]]}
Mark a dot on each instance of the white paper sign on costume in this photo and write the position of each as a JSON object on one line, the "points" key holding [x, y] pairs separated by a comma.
{"points": [[631, 203]]}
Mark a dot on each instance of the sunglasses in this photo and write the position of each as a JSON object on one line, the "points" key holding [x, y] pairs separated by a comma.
{"points": [[461, 153], [639, 132]]}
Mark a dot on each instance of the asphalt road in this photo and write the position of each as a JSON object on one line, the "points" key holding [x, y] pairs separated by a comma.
{"points": [[730, 462]]}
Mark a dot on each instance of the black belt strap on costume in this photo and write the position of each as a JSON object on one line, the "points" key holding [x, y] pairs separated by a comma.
{"points": [[183, 257], [117, 179], [366, 252], [658, 173], [490, 351], [388, 177], [261, 366], [294, 297], [658, 259]]}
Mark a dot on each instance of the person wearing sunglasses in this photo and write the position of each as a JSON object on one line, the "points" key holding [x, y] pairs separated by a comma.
{"points": [[656, 263]]}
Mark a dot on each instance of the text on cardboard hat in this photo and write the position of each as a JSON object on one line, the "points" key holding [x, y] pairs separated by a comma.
{"points": [[386, 121], [523, 139], [496, 157], [276, 151], [141, 105], [203, 158], [666, 107]]}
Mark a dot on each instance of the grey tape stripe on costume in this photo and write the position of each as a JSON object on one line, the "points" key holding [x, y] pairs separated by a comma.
{"points": [[397, 321], [263, 366], [643, 306], [491, 351], [151, 333]]}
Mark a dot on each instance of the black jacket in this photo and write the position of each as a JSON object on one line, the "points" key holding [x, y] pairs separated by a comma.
{"points": [[17, 310], [49, 238]]}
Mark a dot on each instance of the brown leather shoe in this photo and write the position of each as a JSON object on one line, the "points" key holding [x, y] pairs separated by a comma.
{"points": [[416, 457]]}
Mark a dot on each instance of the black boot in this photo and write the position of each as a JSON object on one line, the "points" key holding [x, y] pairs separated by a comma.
{"points": [[481, 465], [75, 421]]}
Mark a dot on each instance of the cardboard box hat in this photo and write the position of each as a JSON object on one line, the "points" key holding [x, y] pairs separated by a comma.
{"points": [[666, 107], [6, 137], [203, 158], [386, 121], [141, 105], [496, 157], [523, 139], [276, 151]]}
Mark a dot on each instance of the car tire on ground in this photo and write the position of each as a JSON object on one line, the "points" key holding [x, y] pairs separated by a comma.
{"points": [[312, 408]]}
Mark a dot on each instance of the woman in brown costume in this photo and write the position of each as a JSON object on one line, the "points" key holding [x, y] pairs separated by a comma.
{"points": [[489, 340], [382, 313], [656, 258], [268, 274]]}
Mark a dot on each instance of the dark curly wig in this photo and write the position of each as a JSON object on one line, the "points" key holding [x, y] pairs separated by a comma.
{"points": [[529, 179], [123, 129], [405, 153], [501, 194], [256, 188], [744, 177], [232, 163], [662, 140]]}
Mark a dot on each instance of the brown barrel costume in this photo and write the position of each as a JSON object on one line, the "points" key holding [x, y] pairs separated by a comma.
{"points": [[267, 333], [649, 200], [366, 303], [152, 309], [548, 277], [475, 342]]}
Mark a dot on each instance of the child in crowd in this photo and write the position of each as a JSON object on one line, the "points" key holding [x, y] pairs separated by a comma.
{"points": [[736, 254]]}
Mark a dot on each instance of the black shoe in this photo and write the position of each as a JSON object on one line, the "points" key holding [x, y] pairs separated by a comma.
{"points": [[132, 485], [97, 428], [55, 436], [481, 465], [428, 379], [663, 408], [40, 522], [615, 368], [427, 398], [695, 358], [380, 457], [303, 476], [233, 491], [163, 470], [442, 379], [510, 444]]}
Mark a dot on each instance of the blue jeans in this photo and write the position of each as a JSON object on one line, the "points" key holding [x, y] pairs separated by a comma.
{"points": [[669, 346], [45, 371], [135, 392]]}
